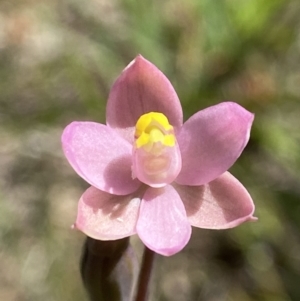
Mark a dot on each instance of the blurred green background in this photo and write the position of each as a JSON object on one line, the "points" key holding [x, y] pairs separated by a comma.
{"points": [[58, 60]]}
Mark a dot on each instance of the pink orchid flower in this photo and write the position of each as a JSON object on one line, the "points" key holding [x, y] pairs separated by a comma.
{"points": [[152, 175]]}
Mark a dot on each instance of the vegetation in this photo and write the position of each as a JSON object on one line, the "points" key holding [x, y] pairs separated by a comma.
{"points": [[58, 60]]}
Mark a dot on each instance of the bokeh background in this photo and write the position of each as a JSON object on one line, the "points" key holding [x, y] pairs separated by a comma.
{"points": [[58, 60]]}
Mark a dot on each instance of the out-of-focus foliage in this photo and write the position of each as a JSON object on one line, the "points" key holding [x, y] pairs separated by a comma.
{"points": [[57, 62]]}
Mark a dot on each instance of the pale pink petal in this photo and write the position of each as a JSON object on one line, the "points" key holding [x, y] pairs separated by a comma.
{"points": [[100, 156], [221, 204], [157, 170], [105, 216], [141, 88], [211, 141], [162, 225]]}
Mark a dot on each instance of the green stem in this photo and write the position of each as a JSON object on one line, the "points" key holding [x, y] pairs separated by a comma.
{"points": [[145, 275]]}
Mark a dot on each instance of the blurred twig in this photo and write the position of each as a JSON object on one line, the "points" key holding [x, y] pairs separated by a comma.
{"points": [[145, 275], [101, 264]]}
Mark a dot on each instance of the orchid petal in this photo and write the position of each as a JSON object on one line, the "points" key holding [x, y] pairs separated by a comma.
{"points": [[100, 156], [221, 204], [211, 141], [157, 170], [162, 225], [105, 216], [141, 88]]}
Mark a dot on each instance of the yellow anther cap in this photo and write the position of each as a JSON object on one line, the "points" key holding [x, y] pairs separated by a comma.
{"points": [[153, 128]]}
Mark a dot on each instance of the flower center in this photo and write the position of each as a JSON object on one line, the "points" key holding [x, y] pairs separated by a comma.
{"points": [[153, 132], [156, 156]]}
